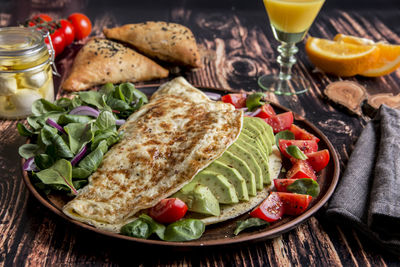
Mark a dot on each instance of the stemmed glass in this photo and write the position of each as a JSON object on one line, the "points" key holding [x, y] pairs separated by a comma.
{"points": [[290, 21]]}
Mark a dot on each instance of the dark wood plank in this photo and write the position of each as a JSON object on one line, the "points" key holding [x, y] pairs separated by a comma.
{"points": [[238, 47]]}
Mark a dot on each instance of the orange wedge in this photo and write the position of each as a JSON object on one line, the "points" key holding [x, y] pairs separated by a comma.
{"points": [[341, 58], [389, 55]]}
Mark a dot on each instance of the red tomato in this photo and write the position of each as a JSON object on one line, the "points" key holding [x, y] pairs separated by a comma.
{"points": [[294, 204], [301, 134], [280, 122], [58, 41], [68, 31], [168, 210], [318, 160], [38, 19], [266, 111], [82, 25], [270, 210], [301, 169], [238, 100], [307, 146], [281, 184]]}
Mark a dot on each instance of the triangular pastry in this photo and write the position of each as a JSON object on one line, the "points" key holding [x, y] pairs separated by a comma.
{"points": [[101, 61], [162, 40]]}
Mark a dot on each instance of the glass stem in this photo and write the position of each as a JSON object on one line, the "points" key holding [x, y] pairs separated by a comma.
{"points": [[286, 59]]}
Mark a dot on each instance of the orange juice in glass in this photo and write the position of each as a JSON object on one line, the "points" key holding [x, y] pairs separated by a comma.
{"points": [[290, 21]]}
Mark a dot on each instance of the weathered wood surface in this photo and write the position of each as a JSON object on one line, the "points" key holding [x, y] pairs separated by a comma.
{"points": [[239, 47]]}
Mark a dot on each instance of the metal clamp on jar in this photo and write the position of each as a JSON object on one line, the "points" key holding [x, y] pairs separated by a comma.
{"points": [[25, 70]]}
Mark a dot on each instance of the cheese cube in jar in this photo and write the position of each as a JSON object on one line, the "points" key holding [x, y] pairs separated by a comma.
{"points": [[25, 73]]}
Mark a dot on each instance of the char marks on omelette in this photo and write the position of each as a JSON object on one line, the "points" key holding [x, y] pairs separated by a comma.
{"points": [[165, 144]]}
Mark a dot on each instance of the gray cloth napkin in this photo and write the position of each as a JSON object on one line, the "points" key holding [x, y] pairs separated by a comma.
{"points": [[368, 193]]}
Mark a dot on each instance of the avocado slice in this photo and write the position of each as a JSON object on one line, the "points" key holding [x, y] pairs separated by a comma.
{"points": [[199, 198], [257, 132], [248, 157], [267, 128], [241, 166], [233, 177], [254, 141], [261, 160], [221, 188]]}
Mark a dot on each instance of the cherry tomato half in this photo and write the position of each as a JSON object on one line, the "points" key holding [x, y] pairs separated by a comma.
{"points": [[266, 111], [168, 210], [307, 146], [281, 121], [294, 204], [82, 25], [238, 100], [318, 160], [301, 169], [68, 30], [282, 184], [57, 39], [301, 134], [270, 210]]}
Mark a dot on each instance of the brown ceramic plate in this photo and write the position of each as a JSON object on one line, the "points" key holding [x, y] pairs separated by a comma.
{"points": [[222, 233]]}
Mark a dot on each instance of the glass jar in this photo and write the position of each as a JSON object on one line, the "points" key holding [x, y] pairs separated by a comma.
{"points": [[25, 71]]}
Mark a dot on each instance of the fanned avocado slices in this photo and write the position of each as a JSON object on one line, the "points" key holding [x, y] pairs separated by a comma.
{"points": [[255, 138], [221, 188], [248, 157], [232, 175], [268, 131], [257, 130], [261, 160], [242, 167]]}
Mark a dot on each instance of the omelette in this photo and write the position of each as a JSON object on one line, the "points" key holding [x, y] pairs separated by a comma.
{"points": [[165, 144]]}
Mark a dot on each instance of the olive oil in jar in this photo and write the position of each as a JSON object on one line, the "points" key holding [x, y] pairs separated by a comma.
{"points": [[25, 71]]}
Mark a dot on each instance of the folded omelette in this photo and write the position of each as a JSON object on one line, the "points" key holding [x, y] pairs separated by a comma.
{"points": [[165, 144]]}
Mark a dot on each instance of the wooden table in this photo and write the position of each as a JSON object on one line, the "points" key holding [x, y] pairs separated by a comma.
{"points": [[239, 47]]}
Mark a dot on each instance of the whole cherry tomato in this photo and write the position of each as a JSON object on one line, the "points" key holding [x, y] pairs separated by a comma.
{"points": [[68, 30], [58, 41], [168, 210], [82, 25], [38, 19]]}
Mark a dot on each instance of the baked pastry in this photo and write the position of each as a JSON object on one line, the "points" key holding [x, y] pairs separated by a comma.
{"points": [[101, 61], [166, 41]]}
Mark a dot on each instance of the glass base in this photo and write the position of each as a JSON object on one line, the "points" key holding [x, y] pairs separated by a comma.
{"points": [[294, 86]]}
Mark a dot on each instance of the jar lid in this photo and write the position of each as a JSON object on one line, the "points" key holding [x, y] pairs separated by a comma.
{"points": [[20, 41]]}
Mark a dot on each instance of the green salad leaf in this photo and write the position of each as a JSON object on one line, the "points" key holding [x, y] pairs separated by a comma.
{"points": [[254, 101], [249, 223], [295, 152], [143, 227], [86, 138], [58, 174], [305, 186], [184, 230]]}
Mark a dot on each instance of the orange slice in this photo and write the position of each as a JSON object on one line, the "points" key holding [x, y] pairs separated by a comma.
{"points": [[340, 58], [389, 55]]}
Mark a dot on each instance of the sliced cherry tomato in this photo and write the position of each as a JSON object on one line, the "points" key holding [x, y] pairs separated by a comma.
{"points": [[280, 122], [301, 134], [238, 100], [58, 41], [294, 204], [82, 25], [168, 210], [270, 210], [318, 160], [282, 184], [307, 146], [301, 169], [38, 19], [68, 30], [266, 111]]}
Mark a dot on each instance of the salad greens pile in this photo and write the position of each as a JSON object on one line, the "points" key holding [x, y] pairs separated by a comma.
{"points": [[70, 136]]}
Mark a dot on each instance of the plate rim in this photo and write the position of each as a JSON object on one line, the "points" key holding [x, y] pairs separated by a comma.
{"points": [[259, 236]]}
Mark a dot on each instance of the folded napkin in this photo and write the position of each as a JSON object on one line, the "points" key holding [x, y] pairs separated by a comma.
{"points": [[368, 194]]}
